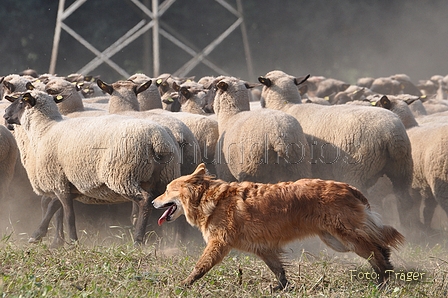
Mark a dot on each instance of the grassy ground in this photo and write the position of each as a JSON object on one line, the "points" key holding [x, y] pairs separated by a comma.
{"points": [[115, 268]]}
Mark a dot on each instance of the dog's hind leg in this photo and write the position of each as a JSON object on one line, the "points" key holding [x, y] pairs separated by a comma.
{"points": [[213, 253], [272, 258], [377, 255], [332, 242], [359, 242]]}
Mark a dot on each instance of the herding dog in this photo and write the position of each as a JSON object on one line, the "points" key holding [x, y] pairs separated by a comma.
{"points": [[261, 218]]}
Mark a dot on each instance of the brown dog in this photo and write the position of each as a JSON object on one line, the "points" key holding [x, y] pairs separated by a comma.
{"points": [[261, 218]]}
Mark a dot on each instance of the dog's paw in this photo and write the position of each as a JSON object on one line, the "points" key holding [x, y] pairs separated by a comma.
{"points": [[285, 288], [186, 283]]}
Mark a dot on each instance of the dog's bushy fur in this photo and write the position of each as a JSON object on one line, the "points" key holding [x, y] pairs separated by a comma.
{"points": [[261, 218]]}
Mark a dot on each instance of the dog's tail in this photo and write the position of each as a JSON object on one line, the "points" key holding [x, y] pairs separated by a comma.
{"points": [[392, 237], [358, 194], [384, 235]]}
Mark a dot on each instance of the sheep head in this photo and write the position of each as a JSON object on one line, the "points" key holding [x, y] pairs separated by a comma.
{"points": [[232, 96], [384, 102], [22, 101], [280, 89], [109, 89], [19, 101]]}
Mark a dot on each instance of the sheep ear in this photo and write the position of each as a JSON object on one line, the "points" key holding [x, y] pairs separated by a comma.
{"points": [[184, 91], [176, 87], [344, 87], [105, 87], [251, 85], [222, 86], [1, 79], [168, 100], [411, 100], [143, 87], [29, 86], [12, 98], [58, 98], [9, 86], [29, 99], [358, 93], [301, 80], [384, 102], [265, 81]]}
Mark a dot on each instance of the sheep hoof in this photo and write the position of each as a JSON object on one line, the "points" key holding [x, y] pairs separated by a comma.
{"points": [[33, 240]]}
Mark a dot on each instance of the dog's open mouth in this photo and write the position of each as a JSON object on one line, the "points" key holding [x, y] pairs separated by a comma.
{"points": [[166, 216]]}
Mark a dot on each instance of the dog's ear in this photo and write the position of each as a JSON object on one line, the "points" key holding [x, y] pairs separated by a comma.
{"points": [[200, 170]]}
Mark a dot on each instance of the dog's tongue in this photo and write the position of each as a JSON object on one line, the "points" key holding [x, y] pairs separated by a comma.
{"points": [[165, 214]]}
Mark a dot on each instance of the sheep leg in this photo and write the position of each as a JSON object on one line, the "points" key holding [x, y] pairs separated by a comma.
{"points": [[134, 214], [428, 210], [69, 214], [58, 240], [44, 201], [408, 209], [444, 204], [144, 212], [439, 189], [53, 206]]}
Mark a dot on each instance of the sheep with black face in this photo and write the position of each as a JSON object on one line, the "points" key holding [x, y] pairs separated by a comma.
{"points": [[107, 159]]}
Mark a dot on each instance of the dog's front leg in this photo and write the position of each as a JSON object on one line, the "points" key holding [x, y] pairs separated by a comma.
{"points": [[213, 253]]}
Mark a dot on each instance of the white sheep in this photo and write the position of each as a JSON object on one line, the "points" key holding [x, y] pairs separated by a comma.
{"points": [[72, 99], [415, 104], [430, 183], [349, 143], [193, 97], [165, 84], [123, 100], [263, 145], [396, 105], [108, 159], [72, 103], [9, 154], [429, 141], [86, 84], [14, 83], [433, 105], [150, 98], [204, 128]]}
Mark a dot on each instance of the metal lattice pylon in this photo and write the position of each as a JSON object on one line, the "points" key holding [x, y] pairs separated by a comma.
{"points": [[140, 28]]}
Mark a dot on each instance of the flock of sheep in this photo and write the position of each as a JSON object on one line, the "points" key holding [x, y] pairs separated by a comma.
{"points": [[79, 138]]}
